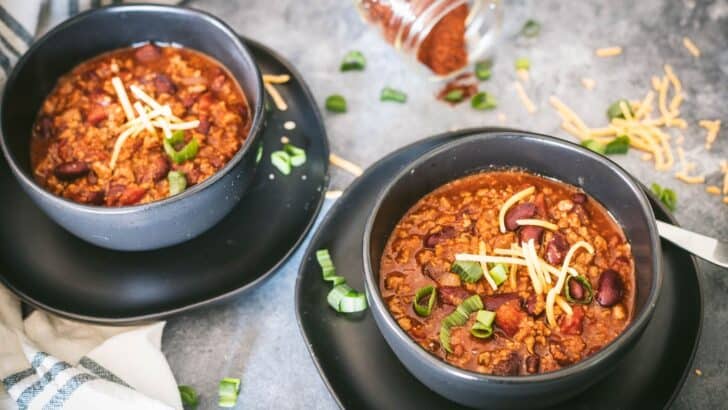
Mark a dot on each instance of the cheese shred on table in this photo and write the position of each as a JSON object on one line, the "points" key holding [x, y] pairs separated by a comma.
{"points": [[268, 81], [691, 47], [608, 51]]}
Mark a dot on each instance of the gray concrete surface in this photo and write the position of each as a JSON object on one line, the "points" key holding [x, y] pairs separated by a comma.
{"points": [[269, 354]]}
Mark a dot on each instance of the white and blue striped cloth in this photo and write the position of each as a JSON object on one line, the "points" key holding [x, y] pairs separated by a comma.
{"points": [[51, 363]]}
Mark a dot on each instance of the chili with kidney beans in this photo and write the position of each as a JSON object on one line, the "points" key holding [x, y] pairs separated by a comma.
{"points": [[493, 320], [197, 118]]}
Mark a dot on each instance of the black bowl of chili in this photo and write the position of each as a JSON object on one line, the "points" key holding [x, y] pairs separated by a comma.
{"points": [[105, 194], [507, 375]]}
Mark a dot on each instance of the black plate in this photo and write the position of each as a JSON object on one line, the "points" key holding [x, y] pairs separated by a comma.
{"points": [[53, 270], [361, 371]]}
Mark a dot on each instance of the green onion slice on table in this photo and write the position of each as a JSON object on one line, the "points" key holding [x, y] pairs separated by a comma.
{"points": [[228, 392], [394, 95], [427, 294], [483, 326], [469, 272], [336, 103], [585, 285], [458, 318], [483, 101], [523, 63], [615, 109], [177, 182], [666, 195], [619, 145], [483, 69], [353, 60], [342, 298], [188, 396], [531, 28], [595, 146]]}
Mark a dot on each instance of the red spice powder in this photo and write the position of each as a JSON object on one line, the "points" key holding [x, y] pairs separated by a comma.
{"points": [[443, 50]]}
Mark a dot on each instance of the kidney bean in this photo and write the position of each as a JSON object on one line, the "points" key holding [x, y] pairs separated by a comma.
{"points": [[45, 127], [156, 169], [556, 249], [528, 232], [432, 270], [579, 198], [164, 84], [493, 302], [147, 53], [96, 114], [205, 101], [610, 288], [433, 239], [520, 211], [69, 171], [452, 295], [189, 100], [533, 362], [132, 195], [576, 290], [92, 178], [509, 366]]}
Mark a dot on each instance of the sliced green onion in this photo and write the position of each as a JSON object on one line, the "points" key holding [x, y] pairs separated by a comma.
{"points": [[666, 195], [342, 298], [353, 60], [483, 69], [177, 182], [619, 145], [455, 95], [282, 161], [469, 271], [531, 29], [188, 396], [483, 101], [259, 154], [390, 94], [615, 110], [228, 392], [328, 271], [498, 273], [336, 103], [483, 326], [188, 152], [458, 318], [584, 282], [523, 63], [595, 146], [428, 292], [297, 155]]}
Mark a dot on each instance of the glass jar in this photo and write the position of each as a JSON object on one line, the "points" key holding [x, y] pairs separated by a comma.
{"points": [[443, 36]]}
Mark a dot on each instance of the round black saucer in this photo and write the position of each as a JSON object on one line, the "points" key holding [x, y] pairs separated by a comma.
{"points": [[53, 270], [362, 372]]}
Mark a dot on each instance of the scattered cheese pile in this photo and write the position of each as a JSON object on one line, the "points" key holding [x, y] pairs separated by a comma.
{"points": [[645, 132], [149, 116]]}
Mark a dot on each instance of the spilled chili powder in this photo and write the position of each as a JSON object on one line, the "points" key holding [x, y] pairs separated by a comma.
{"points": [[443, 50]]}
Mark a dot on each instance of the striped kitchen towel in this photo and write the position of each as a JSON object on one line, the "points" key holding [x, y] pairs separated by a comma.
{"points": [[51, 363]]}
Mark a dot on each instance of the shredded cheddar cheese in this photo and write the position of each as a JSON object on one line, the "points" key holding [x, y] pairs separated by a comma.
{"points": [[123, 98], [538, 222], [484, 266], [525, 100], [588, 83], [713, 189], [556, 290], [276, 78], [691, 47], [345, 165], [608, 51], [713, 128]]}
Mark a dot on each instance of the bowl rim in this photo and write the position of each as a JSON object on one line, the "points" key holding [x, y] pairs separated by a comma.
{"points": [[633, 330], [202, 18]]}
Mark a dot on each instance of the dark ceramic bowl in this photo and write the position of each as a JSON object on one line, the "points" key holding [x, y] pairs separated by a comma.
{"points": [[550, 157], [156, 224]]}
